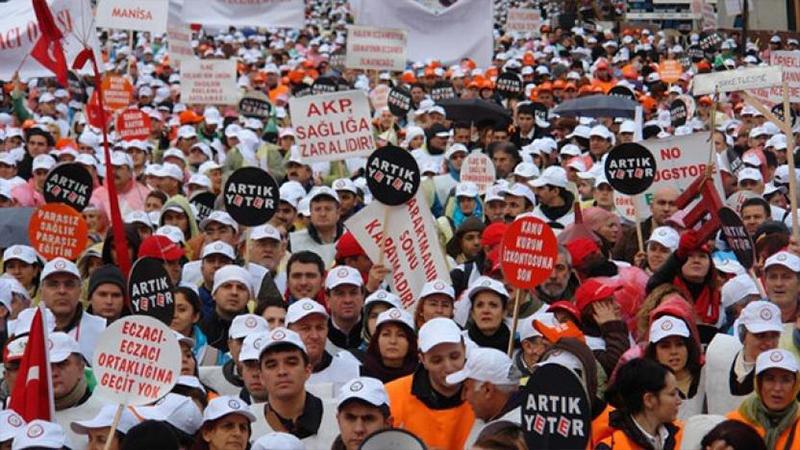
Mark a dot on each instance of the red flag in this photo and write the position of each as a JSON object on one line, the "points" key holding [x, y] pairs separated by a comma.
{"points": [[50, 54], [32, 397], [47, 24]]}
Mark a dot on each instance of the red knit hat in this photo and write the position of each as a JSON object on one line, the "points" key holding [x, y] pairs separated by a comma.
{"points": [[348, 247]]}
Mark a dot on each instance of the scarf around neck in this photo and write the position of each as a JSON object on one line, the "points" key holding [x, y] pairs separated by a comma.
{"points": [[773, 422]]}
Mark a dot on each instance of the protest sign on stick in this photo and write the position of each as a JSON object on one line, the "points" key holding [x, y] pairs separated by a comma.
{"points": [[631, 169], [372, 48], [69, 183], [150, 290], [527, 256], [56, 229], [251, 196], [209, 82]]}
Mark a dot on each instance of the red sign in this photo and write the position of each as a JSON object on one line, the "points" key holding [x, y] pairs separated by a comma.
{"points": [[117, 92], [528, 252], [58, 230], [670, 71], [133, 124]]}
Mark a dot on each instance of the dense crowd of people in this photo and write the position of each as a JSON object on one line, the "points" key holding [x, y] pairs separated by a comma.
{"points": [[290, 335]]}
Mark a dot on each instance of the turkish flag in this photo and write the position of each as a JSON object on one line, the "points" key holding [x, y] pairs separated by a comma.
{"points": [[32, 397], [50, 54]]}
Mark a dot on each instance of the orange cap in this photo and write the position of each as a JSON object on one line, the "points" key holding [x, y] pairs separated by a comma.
{"points": [[66, 143], [559, 84], [260, 77], [492, 72], [570, 87], [487, 84], [527, 58], [408, 77], [189, 117], [705, 100], [546, 86], [296, 76], [648, 103]]}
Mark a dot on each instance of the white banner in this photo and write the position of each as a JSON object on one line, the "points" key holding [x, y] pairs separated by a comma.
{"points": [[462, 30], [679, 161], [524, 20], [19, 32], [790, 62], [333, 126], [413, 254], [179, 35], [209, 82], [736, 80], [253, 13], [143, 15], [375, 48]]}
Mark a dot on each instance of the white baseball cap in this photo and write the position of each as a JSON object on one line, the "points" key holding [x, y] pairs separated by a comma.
{"points": [[383, 296], [45, 162], [666, 326], [323, 191], [207, 167], [749, 173], [736, 289], [365, 389], [138, 217], [455, 148], [302, 308], [484, 283], [485, 365], [220, 217], [187, 132], [246, 324], [728, 265], [40, 434], [10, 424], [467, 189], [199, 180], [395, 315], [62, 345], [439, 330], [526, 170], [25, 318], [522, 190], [666, 236], [24, 253], [275, 441], [252, 345], [119, 159], [172, 232], [570, 150], [280, 336], [104, 419], [627, 126], [265, 231], [600, 131], [224, 405], [776, 359], [552, 176], [183, 339], [60, 265], [169, 170], [232, 272], [340, 275], [173, 153], [785, 259], [291, 192], [218, 248], [760, 316], [437, 286], [345, 184]]}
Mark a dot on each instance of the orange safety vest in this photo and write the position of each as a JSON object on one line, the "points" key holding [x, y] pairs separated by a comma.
{"points": [[441, 429], [618, 440], [784, 442], [601, 428]]}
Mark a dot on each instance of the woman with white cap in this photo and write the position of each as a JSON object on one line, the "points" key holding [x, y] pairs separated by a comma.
{"points": [[22, 263], [390, 354], [98, 429], [671, 344], [773, 409], [226, 425], [488, 298]]}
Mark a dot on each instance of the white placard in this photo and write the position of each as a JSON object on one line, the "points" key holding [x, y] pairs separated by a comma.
{"points": [[376, 48], [737, 80], [239, 13], [209, 82], [679, 161], [142, 15], [19, 33], [333, 126], [413, 254], [479, 169], [524, 20], [137, 361], [790, 62], [462, 30]]}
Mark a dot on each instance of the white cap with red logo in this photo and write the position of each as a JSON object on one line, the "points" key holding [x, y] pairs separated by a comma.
{"points": [[40, 434], [776, 359]]}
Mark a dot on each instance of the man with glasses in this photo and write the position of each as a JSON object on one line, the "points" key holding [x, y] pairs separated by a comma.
{"points": [[61, 293]]}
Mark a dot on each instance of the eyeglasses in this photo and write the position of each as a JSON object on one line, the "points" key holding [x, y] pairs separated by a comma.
{"points": [[54, 284]]}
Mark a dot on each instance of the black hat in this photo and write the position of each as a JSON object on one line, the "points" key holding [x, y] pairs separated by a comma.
{"points": [[107, 274]]}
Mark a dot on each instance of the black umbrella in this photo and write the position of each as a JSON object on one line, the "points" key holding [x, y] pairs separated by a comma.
{"points": [[598, 106], [14, 226], [474, 111]]}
